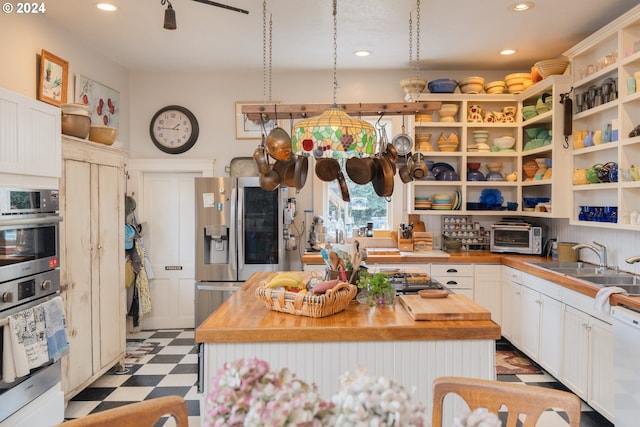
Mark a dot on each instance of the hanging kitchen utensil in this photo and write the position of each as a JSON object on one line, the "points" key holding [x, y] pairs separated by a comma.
{"points": [[279, 144], [383, 181], [327, 169], [300, 171], [344, 189], [286, 170], [568, 116], [402, 142], [360, 170]]}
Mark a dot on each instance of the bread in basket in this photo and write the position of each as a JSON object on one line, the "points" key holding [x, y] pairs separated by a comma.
{"points": [[331, 302]]}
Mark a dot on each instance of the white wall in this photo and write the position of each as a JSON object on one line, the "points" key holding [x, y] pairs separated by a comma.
{"points": [[23, 38]]}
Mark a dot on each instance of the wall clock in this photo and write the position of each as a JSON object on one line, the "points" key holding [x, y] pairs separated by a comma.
{"points": [[174, 129]]}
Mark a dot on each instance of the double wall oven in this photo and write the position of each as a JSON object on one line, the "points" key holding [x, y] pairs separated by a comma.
{"points": [[29, 276]]}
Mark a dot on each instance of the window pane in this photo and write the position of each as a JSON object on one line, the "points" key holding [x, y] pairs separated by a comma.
{"points": [[365, 206]]}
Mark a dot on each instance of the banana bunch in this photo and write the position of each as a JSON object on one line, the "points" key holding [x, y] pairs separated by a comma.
{"points": [[289, 281]]}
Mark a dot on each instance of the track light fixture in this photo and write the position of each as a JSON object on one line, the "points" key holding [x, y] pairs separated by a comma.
{"points": [[169, 16]]}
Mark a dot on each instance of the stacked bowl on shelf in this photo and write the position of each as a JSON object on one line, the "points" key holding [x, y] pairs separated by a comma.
{"points": [[517, 82], [75, 120], [472, 84]]}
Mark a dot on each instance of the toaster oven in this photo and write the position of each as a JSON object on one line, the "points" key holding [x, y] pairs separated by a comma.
{"points": [[514, 235]]}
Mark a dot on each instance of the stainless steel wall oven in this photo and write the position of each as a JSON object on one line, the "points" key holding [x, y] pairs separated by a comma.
{"points": [[29, 276]]}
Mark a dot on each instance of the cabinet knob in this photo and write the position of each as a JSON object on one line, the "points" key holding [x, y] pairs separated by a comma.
{"points": [[45, 285]]}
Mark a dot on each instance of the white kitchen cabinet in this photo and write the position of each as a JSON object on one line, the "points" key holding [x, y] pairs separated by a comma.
{"points": [[487, 289], [92, 261], [588, 362], [457, 277], [608, 54], [29, 136], [510, 326]]}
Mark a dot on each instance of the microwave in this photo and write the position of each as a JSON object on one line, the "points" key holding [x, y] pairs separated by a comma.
{"points": [[516, 236]]}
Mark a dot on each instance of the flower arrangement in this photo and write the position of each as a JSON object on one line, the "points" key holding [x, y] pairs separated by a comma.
{"points": [[481, 417], [246, 393]]}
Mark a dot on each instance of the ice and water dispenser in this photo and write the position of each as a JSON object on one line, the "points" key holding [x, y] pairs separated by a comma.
{"points": [[216, 247]]}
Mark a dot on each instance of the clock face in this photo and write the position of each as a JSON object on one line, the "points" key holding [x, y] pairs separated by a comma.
{"points": [[174, 129]]}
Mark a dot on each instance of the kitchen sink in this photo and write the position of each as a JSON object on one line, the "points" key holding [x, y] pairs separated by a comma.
{"points": [[611, 280], [581, 271], [567, 264]]}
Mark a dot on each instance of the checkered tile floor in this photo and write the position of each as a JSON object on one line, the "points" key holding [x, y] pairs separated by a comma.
{"points": [[171, 369]]}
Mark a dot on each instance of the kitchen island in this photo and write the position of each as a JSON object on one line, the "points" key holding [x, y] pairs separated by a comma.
{"points": [[384, 341]]}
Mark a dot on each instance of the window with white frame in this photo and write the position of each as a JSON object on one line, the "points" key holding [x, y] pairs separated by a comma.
{"points": [[365, 206]]}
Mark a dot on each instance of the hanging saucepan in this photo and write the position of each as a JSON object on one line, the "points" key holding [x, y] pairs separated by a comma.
{"points": [[327, 169], [405, 171], [286, 171], [279, 144], [300, 171], [260, 156], [361, 170], [269, 181], [383, 181], [402, 142], [343, 187]]}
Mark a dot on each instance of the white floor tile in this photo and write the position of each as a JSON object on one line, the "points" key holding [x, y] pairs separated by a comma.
{"points": [[79, 408], [193, 394], [178, 380], [187, 334], [110, 381], [161, 341], [190, 358], [155, 369], [129, 394]]}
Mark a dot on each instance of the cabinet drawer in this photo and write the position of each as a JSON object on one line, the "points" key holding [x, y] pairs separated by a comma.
{"points": [[511, 274], [454, 283], [452, 270]]}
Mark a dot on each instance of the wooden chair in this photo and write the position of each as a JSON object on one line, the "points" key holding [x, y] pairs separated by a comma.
{"points": [[519, 399], [138, 414]]}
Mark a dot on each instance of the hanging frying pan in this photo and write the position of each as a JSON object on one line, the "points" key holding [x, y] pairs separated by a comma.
{"points": [[383, 181], [343, 187], [327, 169], [300, 171], [361, 170]]}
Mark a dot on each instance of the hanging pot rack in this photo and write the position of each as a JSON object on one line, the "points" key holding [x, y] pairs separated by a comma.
{"points": [[303, 111]]}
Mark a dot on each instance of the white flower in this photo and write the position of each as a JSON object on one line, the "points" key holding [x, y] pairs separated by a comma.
{"points": [[481, 417]]}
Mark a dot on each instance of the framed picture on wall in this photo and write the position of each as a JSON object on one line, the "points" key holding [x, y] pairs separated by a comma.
{"points": [[54, 75], [251, 129]]}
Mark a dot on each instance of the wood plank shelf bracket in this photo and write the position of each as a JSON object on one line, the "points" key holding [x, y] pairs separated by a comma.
{"points": [[302, 111]]}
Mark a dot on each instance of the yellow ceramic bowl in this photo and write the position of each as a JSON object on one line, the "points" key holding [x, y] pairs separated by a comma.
{"points": [[103, 134]]}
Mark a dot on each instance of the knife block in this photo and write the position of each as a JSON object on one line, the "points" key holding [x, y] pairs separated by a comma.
{"points": [[405, 245]]}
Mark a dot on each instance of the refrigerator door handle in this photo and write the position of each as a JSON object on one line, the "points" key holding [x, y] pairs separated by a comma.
{"points": [[239, 205], [234, 227]]}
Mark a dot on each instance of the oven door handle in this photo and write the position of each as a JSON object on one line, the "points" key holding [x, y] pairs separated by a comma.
{"points": [[507, 228], [43, 220]]}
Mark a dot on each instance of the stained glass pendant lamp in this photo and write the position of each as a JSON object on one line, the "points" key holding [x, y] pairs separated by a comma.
{"points": [[333, 133]]}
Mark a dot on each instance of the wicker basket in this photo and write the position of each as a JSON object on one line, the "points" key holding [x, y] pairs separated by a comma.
{"points": [[333, 301]]}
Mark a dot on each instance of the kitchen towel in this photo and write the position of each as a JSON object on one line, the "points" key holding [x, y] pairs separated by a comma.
{"points": [[55, 322], [15, 362], [602, 305]]}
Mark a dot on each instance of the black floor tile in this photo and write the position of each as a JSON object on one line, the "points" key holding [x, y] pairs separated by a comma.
{"points": [[143, 381], [164, 334], [193, 407], [168, 391], [94, 393], [183, 341], [185, 368], [166, 358]]}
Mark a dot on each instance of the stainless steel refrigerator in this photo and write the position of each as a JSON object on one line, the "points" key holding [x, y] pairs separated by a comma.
{"points": [[239, 231]]}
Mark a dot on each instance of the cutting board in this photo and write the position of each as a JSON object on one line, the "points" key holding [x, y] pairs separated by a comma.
{"points": [[383, 251], [454, 307]]}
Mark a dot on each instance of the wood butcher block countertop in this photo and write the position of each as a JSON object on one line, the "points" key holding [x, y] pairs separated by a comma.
{"points": [[244, 318]]}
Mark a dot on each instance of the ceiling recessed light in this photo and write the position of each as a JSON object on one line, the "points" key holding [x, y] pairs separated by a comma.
{"points": [[507, 52], [362, 53], [521, 6], [108, 7]]}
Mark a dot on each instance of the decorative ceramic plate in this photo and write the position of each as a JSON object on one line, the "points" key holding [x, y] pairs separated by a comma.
{"points": [[491, 197]]}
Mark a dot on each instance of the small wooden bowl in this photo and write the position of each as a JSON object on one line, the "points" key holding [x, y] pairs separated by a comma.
{"points": [[433, 293]]}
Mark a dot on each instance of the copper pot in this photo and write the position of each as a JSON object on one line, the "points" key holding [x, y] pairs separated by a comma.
{"points": [[269, 181], [260, 157], [361, 170], [383, 181], [286, 171], [279, 144], [327, 169]]}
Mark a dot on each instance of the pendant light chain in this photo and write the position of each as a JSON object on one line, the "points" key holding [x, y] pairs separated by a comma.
{"points": [[417, 38], [335, 49], [266, 70]]}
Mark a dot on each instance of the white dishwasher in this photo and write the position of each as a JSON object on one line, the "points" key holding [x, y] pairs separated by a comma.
{"points": [[626, 375]]}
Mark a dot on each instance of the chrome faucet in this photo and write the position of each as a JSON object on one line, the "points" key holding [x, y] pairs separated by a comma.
{"points": [[599, 249], [633, 259]]}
